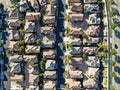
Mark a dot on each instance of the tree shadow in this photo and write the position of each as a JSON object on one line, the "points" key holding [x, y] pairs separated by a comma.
{"points": [[117, 80]]}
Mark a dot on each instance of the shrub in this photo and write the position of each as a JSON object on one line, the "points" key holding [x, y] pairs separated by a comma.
{"points": [[38, 41], [21, 49], [21, 42], [31, 63], [22, 31]]}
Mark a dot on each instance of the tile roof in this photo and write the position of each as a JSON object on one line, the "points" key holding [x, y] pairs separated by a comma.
{"points": [[50, 85], [32, 16]]}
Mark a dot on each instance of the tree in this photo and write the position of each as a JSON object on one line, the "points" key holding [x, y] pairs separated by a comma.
{"points": [[22, 31], [94, 79], [113, 52], [84, 35], [101, 55], [68, 45], [21, 42], [113, 25], [100, 2], [67, 17], [42, 66], [31, 63], [113, 63], [84, 56], [43, 59], [43, 12], [113, 74], [69, 1], [41, 74], [66, 73], [38, 41], [66, 87], [9, 73], [7, 52], [22, 23], [21, 49], [112, 13]]}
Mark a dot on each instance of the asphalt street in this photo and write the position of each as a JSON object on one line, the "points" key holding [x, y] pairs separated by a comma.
{"points": [[59, 44]]}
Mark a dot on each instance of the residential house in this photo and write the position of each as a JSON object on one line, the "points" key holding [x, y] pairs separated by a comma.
{"points": [[13, 46], [50, 9], [32, 87], [49, 85], [51, 75], [90, 50], [23, 6], [75, 41], [75, 31], [17, 78], [76, 50], [16, 68], [15, 86], [91, 41], [13, 13], [15, 58], [48, 41], [90, 1], [30, 38], [33, 80], [75, 8], [74, 85], [93, 31], [91, 8], [77, 63], [30, 58], [47, 30], [32, 49], [50, 65], [30, 27], [14, 35], [49, 20], [93, 72], [50, 53], [35, 5], [75, 1], [77, 17], [93, 61], [77, 74], [31, 16], [94, 19], [13, 23], [90, 84], [33, 69]]}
